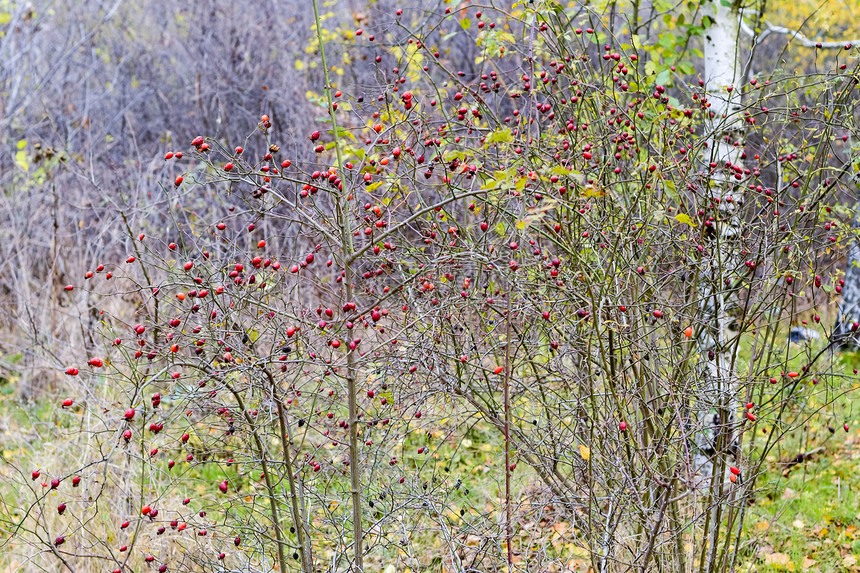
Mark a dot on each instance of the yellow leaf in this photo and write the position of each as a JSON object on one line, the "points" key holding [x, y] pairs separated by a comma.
{"points": [[684, 218], [584, 452], [592, 191]]}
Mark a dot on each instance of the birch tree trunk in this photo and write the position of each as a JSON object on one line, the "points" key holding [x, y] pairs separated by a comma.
{"points": [[844, 334], [717, 291]]}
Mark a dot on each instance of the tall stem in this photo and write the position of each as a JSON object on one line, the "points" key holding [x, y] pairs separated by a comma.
{"points": [[347, 254], [270, 488], [507, 431], [294, 479]]}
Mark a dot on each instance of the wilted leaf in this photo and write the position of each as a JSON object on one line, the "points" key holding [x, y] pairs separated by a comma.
{"points": [[592, 191], [779, 561]]}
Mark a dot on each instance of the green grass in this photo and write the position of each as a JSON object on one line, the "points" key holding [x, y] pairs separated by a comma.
{"points": [[808, 517], [808, 513]]}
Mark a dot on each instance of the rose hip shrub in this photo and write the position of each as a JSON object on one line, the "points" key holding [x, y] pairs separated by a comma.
{"points": [[467, 307]]}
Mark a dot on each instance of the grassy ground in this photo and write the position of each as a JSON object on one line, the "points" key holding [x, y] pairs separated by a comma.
{"points": [[807, 513], [805, 516]]}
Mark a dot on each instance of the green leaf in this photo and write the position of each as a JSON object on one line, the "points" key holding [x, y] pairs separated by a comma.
{"points": [[500, 136], [465, 23], [341, 132], [650, 67], [667, 41], [490, 185], [684, 218], [685, 68], [22, 144]]}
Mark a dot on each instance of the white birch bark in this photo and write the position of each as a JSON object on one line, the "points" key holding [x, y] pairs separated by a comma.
{"points": [[849, 306], [718, 298]]}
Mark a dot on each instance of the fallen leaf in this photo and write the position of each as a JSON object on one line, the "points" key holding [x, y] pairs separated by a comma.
{"points": [[849, 561], [778, 560], [798, 524]]}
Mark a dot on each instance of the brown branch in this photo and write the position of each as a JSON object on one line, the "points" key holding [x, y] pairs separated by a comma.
{"points": [[800, 458]]}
